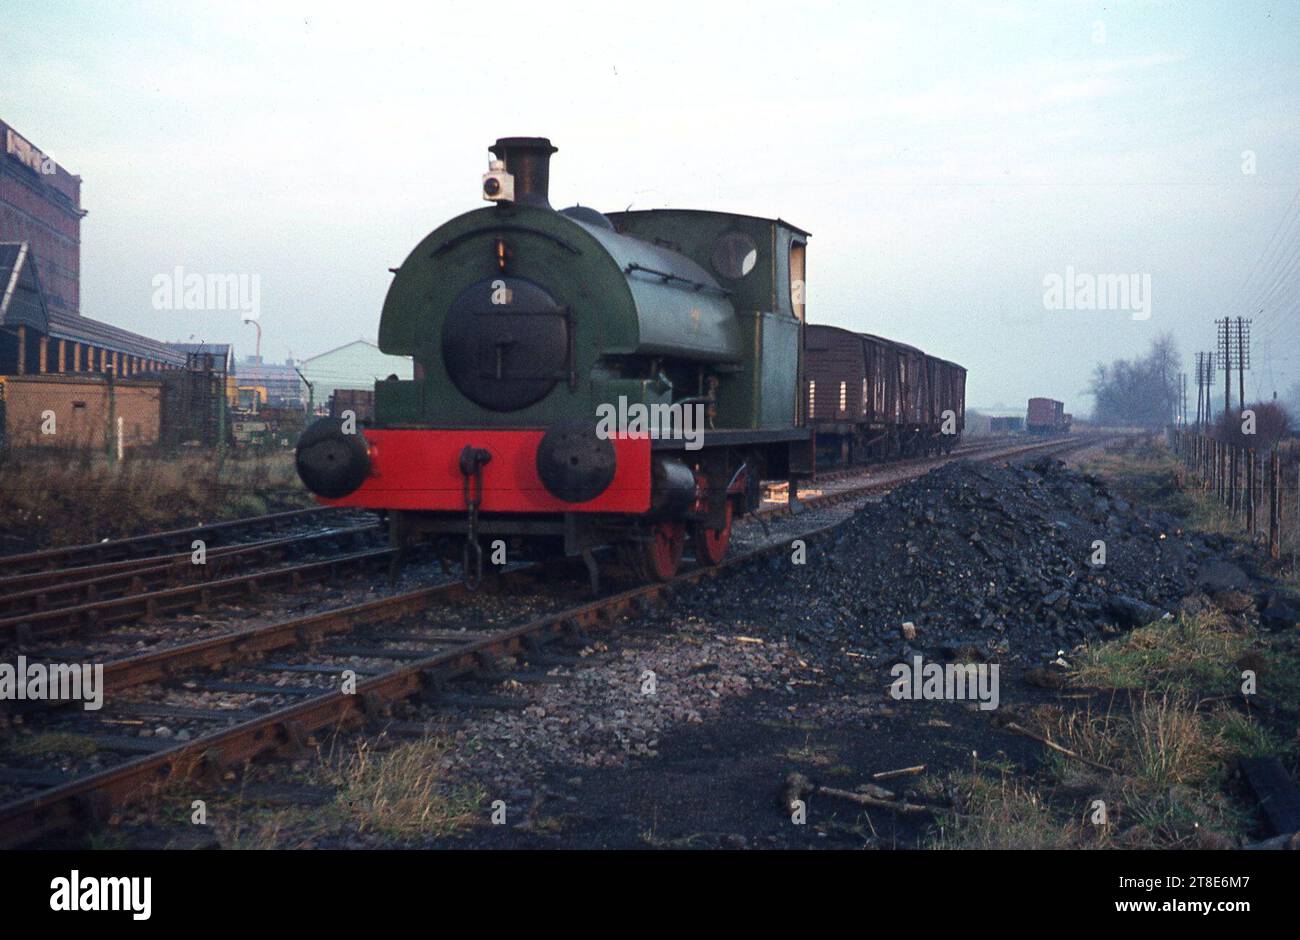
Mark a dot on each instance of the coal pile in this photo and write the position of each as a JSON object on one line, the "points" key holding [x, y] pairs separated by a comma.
{"points": [[981, 560]]}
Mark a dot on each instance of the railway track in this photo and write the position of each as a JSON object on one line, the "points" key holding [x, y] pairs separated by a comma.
{"points": [[398, 647], [45, 592], [50, 603], [177, 585], [171, 542], [879, 478], [969, 449]]}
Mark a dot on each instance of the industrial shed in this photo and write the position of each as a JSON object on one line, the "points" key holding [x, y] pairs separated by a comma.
{"points": [[38, 337], [356, 365]]}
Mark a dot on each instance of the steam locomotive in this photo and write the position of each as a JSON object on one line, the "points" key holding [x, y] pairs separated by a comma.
{"points": [[580, 380]]}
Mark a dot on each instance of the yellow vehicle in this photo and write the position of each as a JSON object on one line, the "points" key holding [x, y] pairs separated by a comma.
{"points": [[250, 398]]}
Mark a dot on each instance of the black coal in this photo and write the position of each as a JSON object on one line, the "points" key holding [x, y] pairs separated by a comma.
{"points": [[983, 560]]}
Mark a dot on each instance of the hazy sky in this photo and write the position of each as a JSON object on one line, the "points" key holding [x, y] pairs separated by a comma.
{"points": [[947, 157]]}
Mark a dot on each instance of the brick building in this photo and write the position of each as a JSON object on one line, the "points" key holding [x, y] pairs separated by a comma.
{"points": [[42, 328], [78, 412], [40, 204]]}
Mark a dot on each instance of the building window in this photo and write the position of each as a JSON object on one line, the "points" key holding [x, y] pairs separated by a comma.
{"points": [[812, 396]]}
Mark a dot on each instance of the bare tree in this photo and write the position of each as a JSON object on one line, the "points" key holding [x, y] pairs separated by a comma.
{"points": [[1140, 392]]}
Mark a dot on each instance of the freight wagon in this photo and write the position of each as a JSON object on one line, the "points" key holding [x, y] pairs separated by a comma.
{"points": [[360, 401], [870, 398], [1046, 416]]}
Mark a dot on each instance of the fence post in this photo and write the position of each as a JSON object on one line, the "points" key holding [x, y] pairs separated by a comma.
{"points": [[1218, 470], [110, 429], [1232, 478], [1274, 504], [1225, 464], [1250, 491], [1223, 472]]}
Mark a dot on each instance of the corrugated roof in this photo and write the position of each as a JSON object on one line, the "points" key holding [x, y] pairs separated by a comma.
{"points": [[81, 329], [22, 303], [224, 352], [363, 342]]}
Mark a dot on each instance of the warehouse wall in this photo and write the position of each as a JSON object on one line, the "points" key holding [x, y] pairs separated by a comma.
{"points": [[354, 366], [81, 408]]}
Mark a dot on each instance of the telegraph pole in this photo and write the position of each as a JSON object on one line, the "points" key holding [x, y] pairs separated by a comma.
{"points": [[1198, 390], [1207, 385], [1200, 386], [1243, 358], [1225, 360]]}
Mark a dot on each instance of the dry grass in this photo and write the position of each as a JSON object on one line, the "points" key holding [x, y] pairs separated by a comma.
{"points": [[1153, 742], [1172, 761], [1169, 763], [1144, 470], [399, 794], [1190, 653], [1169, 735], [50, 500], [999, 813], [261, 829], [810, 754], [391, 797]]}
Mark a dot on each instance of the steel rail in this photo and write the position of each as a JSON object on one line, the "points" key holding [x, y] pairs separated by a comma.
{"points": [[196, 596], [153, 543], [92, 583]]}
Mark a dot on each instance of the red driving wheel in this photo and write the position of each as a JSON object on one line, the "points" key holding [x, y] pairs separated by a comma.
{"points": [[711, 544], [663, 552]]}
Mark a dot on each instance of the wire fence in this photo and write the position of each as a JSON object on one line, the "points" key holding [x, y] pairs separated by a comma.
{"points": [[1260, 487]]}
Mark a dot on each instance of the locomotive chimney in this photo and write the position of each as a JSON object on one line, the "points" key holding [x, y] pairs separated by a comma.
{"points": [[528, 160]]}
